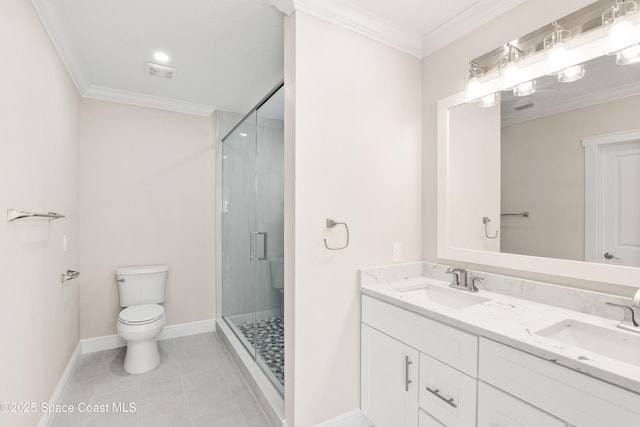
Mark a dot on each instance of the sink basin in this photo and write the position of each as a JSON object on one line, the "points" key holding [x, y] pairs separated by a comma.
{"points": [[619, 345], [443, 296]]}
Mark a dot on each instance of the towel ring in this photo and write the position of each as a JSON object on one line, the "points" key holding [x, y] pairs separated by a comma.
{"points": [[485, 221], [330, 224]]}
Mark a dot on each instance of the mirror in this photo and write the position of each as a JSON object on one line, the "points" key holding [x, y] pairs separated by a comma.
{"points": [[553, 176]]}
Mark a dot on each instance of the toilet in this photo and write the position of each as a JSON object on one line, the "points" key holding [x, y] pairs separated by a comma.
{"points": [[141, 290], [276, 264]]}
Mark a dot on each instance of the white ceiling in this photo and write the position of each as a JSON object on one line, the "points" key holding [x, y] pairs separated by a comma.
{"points": [[228, 53]]}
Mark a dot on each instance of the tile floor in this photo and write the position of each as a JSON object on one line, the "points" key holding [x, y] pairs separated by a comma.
{"points": [[196, 385], [268, 338]]}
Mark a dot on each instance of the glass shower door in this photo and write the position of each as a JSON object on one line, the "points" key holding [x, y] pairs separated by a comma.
{"points": [[238, 228], [253, 235]]}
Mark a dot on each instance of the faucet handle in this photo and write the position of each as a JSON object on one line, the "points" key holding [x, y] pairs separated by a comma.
{"points": [[629, 315], [473, 280]]}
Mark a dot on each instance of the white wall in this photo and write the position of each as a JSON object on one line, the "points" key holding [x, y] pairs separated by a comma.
{"points": [[474, 176], [38, 172], [146, 197], [443, 74], [356, 158], [543, 172]]}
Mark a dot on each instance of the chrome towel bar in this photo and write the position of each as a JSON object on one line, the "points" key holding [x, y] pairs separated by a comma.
{"points": [[525, 214], [13, 215]]}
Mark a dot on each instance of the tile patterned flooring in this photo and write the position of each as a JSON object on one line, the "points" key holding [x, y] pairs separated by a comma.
{"points": [[196, 385], [269, 342]]}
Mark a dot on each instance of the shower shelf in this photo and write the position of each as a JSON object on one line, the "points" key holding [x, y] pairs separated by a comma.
{"points": [[13, 215]]}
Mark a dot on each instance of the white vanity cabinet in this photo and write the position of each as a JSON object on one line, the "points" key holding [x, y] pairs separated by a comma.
{"points": [[425, 365], [576, 399]]}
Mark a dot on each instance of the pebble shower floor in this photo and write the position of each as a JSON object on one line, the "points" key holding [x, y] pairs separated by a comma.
{"points": [[267, 336]]}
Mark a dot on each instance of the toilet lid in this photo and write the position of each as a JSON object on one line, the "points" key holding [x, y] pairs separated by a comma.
{"points": [[141, 314]]}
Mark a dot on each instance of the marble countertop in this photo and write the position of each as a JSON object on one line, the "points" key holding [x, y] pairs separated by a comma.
{"points": [[514, 322]]}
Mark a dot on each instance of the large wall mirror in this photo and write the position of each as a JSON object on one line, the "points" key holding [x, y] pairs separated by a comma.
{"points": [[548, 182]]}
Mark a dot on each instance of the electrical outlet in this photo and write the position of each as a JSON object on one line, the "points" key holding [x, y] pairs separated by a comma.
{"points": [[397, 252]]}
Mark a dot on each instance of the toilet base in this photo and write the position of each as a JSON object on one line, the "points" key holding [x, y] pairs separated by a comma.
{"points": [[141, 356]]}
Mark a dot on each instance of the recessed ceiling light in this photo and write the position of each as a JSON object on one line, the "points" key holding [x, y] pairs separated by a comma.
{"points": [[161, 56], [243, 134]]}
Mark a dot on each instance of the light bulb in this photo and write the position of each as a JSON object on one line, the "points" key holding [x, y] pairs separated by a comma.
{"points": [[620, 35], [161, 56], [557, 59], [510, 75], [524, 89], [571, 74], [487, 101], [630, 55], [474, 88]]}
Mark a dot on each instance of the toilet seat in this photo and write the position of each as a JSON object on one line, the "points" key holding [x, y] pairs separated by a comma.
{"points": [[141, 314]]}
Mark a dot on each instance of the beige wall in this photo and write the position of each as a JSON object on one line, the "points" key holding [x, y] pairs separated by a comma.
{"points": [[146, 197], [443, 74], [543, 172], [356, 158], [38, 172]]}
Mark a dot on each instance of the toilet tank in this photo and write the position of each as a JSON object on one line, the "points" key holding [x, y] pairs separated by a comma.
{"points": [[277, 272], [143, 284]]}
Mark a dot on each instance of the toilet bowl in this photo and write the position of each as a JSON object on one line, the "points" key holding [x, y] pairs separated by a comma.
{"points": [[141, 290]]}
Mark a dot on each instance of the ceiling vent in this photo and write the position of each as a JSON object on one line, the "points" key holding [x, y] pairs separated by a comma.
{"points": [[160, 70], [523, 107]]}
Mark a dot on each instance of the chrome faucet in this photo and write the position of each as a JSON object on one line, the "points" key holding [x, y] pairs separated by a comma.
{"points": [[462, 280], [629, 321]]}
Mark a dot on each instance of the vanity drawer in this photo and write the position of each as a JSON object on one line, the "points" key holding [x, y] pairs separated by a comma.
{"points": [[446, 394], [498, 409], [426, 420], [452, 346], [574, 397]]}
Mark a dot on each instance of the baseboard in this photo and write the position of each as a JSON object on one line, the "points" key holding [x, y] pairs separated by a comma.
{"points": [[56, 397], [107, 342], [350, 419]]}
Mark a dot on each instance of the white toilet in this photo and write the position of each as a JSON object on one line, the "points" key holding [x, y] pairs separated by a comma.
{"points": [[141, 290]]}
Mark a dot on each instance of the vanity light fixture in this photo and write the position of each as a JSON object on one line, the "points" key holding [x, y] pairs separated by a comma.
{"points": [[509, 68], [620, 24], [630, 55]]}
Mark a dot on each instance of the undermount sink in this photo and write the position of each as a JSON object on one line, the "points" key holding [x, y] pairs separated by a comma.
{"points": [[619, 345], [425, 292]]}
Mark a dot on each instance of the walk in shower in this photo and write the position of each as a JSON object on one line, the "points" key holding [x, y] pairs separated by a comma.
{"points": [[253, 234]]}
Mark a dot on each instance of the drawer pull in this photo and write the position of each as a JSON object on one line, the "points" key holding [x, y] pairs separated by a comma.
{"points": [[407, 381], [436, 392]]}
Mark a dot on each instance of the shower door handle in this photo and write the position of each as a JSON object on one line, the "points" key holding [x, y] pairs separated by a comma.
{"points": [[253, 246]]}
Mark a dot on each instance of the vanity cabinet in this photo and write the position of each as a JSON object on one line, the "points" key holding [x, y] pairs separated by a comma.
{"points": [[424, 376], [575, 398]]}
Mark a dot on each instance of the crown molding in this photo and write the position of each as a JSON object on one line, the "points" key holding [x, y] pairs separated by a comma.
{"points": [[481, 13], [151, 101], [348, 16], [47, 11]]}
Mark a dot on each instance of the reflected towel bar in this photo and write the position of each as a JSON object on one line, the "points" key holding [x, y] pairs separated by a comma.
{"points": [[13, 215], [525, 214]]}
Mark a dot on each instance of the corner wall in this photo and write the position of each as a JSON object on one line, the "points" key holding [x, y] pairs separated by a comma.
{"points": [[146, 197], [356, 158], [38, 172]]}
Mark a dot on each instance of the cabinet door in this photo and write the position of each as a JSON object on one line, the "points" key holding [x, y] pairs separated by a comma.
{"points": [[389, 380], [498, 409]]}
